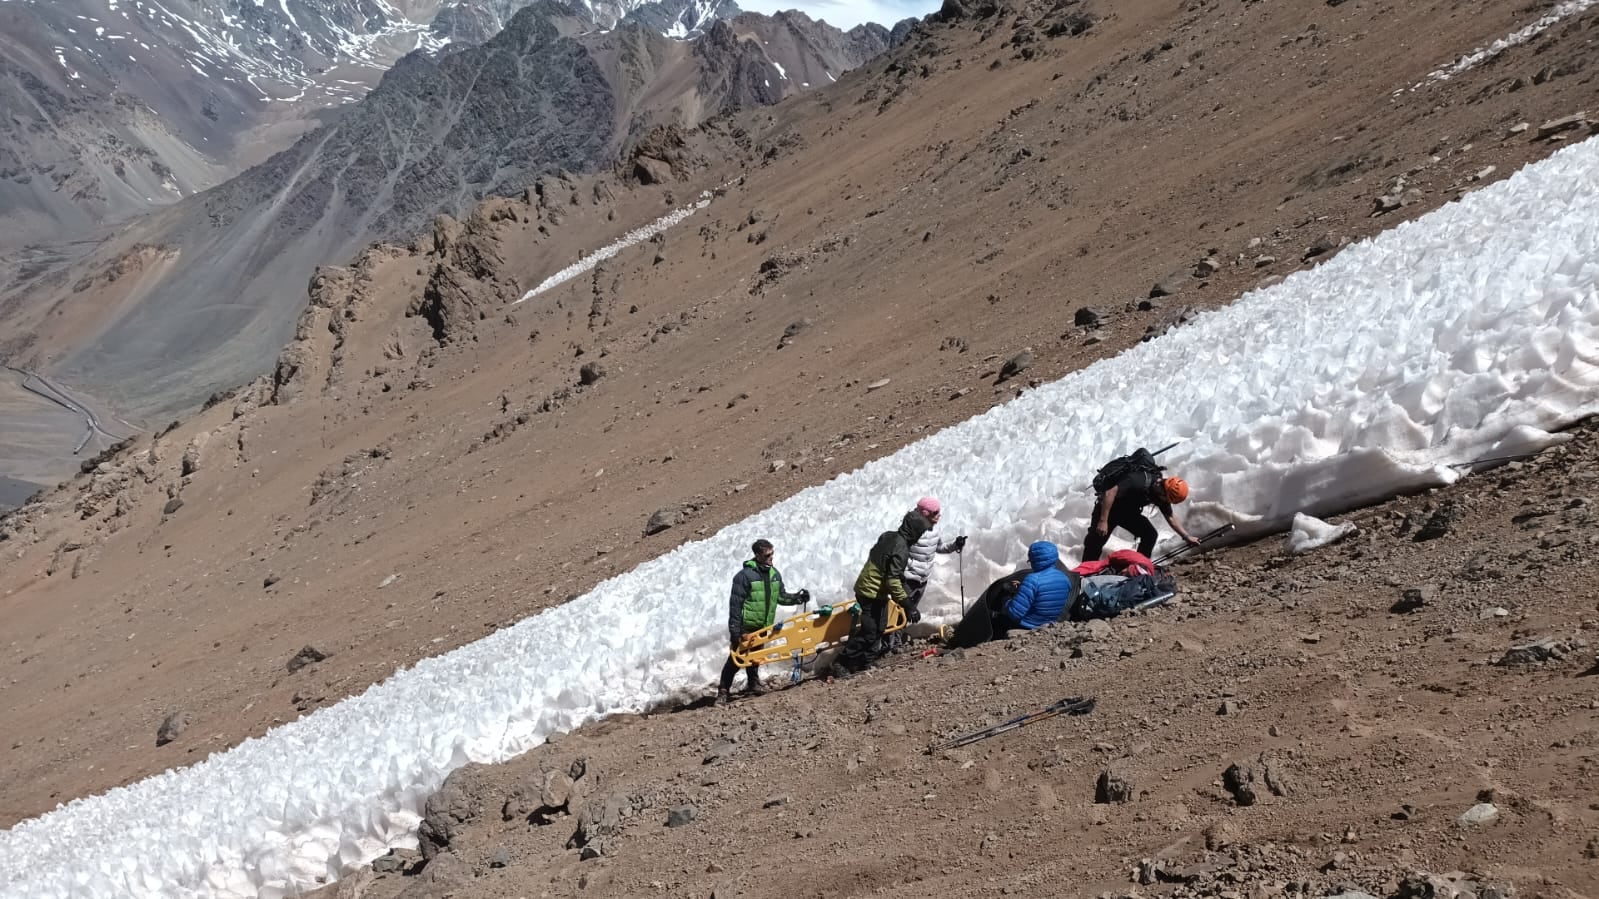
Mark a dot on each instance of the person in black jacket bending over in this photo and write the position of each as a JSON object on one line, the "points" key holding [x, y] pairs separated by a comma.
{"points": [[757, 592], [882, 579], [1122, 506]]}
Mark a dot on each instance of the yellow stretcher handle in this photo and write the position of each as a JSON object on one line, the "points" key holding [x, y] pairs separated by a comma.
{"points": [[804, 635]]}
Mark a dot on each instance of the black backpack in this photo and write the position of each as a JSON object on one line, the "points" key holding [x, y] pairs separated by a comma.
{"points": [[1114, 471]]}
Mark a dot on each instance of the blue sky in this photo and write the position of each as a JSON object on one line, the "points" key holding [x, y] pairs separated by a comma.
{"points": [[845, 15]]}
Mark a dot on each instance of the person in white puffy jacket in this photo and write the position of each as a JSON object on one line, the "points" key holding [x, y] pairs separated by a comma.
{"points": [[920, 566]]}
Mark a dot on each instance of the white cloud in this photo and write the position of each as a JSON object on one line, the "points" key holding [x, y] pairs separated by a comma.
{"points": [[847, 15]]}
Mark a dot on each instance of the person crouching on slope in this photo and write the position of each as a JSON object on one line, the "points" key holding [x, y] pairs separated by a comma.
{"points": [[1043, 596], [919, 567], [1122, 506], [882, 579], [757, 592]]}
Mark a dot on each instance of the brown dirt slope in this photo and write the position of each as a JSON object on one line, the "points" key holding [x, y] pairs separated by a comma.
{"points": [[1364, 692], [427, 464]]}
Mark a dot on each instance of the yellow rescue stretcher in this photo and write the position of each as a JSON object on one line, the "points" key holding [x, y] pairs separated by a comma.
{"points": [[801, 637]]}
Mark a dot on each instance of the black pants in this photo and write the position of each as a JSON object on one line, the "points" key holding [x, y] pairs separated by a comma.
{"points": [[731, 669], [1128, 517], [752, 673], [862, 648], [1002, 623], [913, 605]]}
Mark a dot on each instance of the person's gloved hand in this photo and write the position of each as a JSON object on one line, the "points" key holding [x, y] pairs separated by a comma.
{"points": [[805, 595], [913, 614], [960, 543]]}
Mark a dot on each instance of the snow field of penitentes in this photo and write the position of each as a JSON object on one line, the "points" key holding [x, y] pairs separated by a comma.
{"points": [[1470, 332]]}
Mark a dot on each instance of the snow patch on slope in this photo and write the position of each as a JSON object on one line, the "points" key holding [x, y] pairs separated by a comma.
{"points": [[1473, 330], [1561, 12], [629, 239], [1308, 533]]}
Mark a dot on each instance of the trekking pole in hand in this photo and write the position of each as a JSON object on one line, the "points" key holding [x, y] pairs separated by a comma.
{"points": [[1167, 557], [960, 565]]}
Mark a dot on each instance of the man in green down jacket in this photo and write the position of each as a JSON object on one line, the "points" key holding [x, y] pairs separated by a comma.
{"points": [[882, 579], [757, 592]]}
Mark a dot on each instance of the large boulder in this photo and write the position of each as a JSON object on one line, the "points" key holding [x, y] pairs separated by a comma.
{"points": [[649, 170], [443, 876], [601, 820], [550, 794], [453, 300], [1248, 781], [446, 232], [456, 803], [172, 726], [1114, 787]]}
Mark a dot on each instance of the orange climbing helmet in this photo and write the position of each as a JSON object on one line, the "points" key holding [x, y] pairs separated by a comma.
{"points": [[1176, 489]]}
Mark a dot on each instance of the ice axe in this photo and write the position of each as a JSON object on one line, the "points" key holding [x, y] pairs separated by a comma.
{"points": [[1163, 449], [1167, 557]]}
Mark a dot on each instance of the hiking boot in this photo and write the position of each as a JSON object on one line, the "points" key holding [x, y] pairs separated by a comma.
{"points": [[723, 698], [755, 688], [842, 672]]}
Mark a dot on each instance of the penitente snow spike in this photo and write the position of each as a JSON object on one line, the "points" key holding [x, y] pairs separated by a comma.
{"points": [[1074, 705], [1187, 546]]}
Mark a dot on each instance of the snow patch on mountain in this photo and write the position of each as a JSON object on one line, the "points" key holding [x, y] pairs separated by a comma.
{"points": [[304, 50], [1555, 16]]}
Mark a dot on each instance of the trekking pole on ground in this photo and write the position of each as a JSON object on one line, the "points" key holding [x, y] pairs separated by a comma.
{"points": [[1484, 461], [1075, 705], [1167, 557], [1164, 448]]}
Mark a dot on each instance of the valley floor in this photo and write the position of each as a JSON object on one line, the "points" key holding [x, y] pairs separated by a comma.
{"points": [[36, 443]]}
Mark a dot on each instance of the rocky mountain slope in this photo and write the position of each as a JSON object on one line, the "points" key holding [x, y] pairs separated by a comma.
{"points": [[121, 107], [428, 462], [1387, 717], [547, 94]]}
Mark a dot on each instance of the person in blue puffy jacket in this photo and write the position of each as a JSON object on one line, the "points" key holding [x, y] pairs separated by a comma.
{"points": [[1043, 596]]}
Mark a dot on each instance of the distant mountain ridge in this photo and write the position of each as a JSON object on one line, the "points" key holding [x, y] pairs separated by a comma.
{"points": [[551, 92], [118, 107]]}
